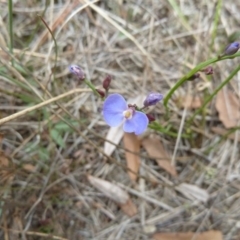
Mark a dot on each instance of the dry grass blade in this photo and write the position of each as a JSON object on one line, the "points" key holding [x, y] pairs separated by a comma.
{"points": [[39, 234], [40, 105], [209, 235], [228, 106], [156, 150], [193, 192], [223, 132], [132, 143], [115, 193], [57, 21]]}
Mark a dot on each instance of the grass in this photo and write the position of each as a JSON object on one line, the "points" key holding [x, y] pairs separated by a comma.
{"points": [[52, 132]]}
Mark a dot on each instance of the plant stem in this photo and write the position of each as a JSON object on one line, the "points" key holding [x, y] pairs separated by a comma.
{"points": [[234, 72], [10, 26], [193, 71]]}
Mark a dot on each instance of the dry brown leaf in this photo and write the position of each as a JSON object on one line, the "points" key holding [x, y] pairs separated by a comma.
{"points": [[209, 235], [129, 208], [115, 193], [132, 143], [29, 167], [6, 173], [222, 132], [16, 227], [228, 107], [3, 160], [1, 138], [191, 102], [156, 150]]}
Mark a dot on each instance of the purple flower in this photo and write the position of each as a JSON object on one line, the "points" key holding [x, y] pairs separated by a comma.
{"points": [[232, 48], [77, 71], [117, 111], [152, 99]]}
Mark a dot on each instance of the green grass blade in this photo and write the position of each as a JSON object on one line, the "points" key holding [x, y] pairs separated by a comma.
{"points": [[215, 23], [10, 26]]}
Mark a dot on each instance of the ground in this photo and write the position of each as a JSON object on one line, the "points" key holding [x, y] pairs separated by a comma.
{"points": [[53, 159]]}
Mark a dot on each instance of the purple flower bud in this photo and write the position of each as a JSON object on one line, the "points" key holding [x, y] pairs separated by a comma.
{"points": [[232, 48], [106, 82], [150, 117], [208, 70], [193, 77], [152, 99], [77, 71], [101, 93]]}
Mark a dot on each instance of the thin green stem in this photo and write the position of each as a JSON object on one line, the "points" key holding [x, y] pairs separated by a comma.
{"points": [[216, 21], [10, 26], [91, 86], [222, 138], [159, 128]]}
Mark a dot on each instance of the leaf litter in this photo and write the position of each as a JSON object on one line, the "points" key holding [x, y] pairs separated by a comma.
{"points": [[115, 193], [103, 50], [190, 102], [156, 150], [132, 143], [209, 235], [228, 107]]}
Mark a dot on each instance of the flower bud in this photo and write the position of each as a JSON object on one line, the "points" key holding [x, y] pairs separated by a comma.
{"points": [[208, 70], [106, 82], [193, 77], [150, 117], [101, 93], [232, 48], [77, 71], [152, 99]]}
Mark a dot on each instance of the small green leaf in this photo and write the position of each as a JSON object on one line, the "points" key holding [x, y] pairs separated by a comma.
{"points": [[56, 136], [63, 127], [43, 154], [19, 68], [27, 98]]}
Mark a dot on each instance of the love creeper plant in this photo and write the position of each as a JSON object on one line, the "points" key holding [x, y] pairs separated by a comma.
{"points": [[116, 111]]}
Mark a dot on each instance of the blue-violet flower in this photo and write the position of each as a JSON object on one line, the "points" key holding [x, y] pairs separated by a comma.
{"points": [[152, 99], [77, 71], [232, 48], [116, 111]]}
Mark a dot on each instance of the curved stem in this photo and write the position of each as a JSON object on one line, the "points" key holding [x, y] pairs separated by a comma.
{"points": [[193, 71], [234, 72]]}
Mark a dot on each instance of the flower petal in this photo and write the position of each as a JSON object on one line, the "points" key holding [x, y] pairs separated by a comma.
{"points": [[113, 108], [137, 124], [113, 119]]}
